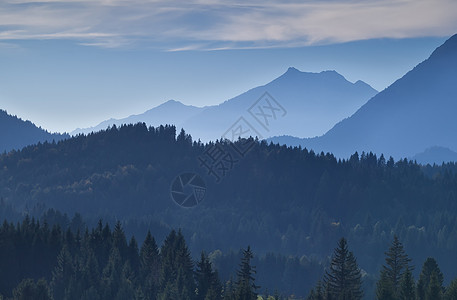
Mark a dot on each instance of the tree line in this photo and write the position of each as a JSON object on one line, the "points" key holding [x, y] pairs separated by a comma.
{"points": [[278, 199], [343, 278], [39, 262]]}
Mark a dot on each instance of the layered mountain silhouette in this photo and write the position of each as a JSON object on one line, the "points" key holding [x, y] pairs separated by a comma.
{"points": [[170, 112], [435, 155], [305, 104], [16, 133], [416, 112], [302, 104]]}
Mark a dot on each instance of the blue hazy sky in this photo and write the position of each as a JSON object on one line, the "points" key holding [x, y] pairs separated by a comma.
{"points": [[68, 64]]}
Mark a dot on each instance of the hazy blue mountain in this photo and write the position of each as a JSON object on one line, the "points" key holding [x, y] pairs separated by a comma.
{"points": [[170, 112], [16, 133], [309, 105], [415, 113], [306, 105], [435, 155]]}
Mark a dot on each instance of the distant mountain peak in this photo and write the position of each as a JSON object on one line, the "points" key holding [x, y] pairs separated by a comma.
{"points": [[415, 112], [292, 69]]}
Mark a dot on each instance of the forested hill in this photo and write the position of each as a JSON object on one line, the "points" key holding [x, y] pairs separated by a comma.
{"points": [[16, 133], [276, 199]]}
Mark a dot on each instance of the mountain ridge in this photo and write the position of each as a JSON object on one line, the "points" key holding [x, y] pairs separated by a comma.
{"points": [[16, 133], [314, 94], [411, 115]]}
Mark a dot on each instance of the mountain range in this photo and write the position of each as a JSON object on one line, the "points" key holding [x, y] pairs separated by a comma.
{"points": [[170, 112], [299, 103], [413, 114], [16, 133]]}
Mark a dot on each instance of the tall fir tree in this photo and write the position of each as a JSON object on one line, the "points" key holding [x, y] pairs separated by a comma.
{"points": [[343, 279], [63, 274], [430, 266], [384, 288], [246, 289], [208, 284], [149, 266], [435, 288], [176, 275], [451, 291], [407, 286], [396, 263], [112, 275], [317, 293]]}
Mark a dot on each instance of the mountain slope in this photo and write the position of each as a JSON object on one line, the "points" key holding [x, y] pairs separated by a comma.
{"points": [[413, 114], [16, 133], [170, 112], [309, 105], [312, 103], [276, 199]]}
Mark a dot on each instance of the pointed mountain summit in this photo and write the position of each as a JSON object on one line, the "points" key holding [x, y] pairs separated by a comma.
{"points": [[16, 133], [413, 114], [307, 105], [312, 103]]}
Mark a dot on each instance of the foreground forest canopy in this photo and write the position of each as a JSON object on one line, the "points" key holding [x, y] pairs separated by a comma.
{"points": [[51, 262], [278, 199]]}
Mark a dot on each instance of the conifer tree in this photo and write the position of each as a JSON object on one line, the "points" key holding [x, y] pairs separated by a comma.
{"points": [[62, 274], [317, 293], [208, 284], [119, 240], [384, 288], [149, 266], [112, 275], [245, 284], [451, 291], [407, 286], [396, 263], [435, 288], [343, 279], [176, 268], [430, 266]]}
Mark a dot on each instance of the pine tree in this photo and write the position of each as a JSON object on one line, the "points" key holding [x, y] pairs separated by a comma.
{"points": [[435, 288], [229, 290], [451, 291], [343, 279], [430, 266], [396, 263], [176, 274], [149, 266], [112, 275], [63, 274], [208, 284], [245, 284], [119, 240], [90, 275], [133, 254], [384, 288], [407, 286], [316, 293]]}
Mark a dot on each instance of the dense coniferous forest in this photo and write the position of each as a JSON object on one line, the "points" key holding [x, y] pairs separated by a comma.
{"points": [[74, 262], [288, 201]]}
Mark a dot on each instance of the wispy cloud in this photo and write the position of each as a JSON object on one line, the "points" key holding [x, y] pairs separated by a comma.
{"points": [[215, 24]]}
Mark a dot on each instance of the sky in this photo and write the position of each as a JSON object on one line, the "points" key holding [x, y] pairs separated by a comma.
{"points": [[74, 63]]}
